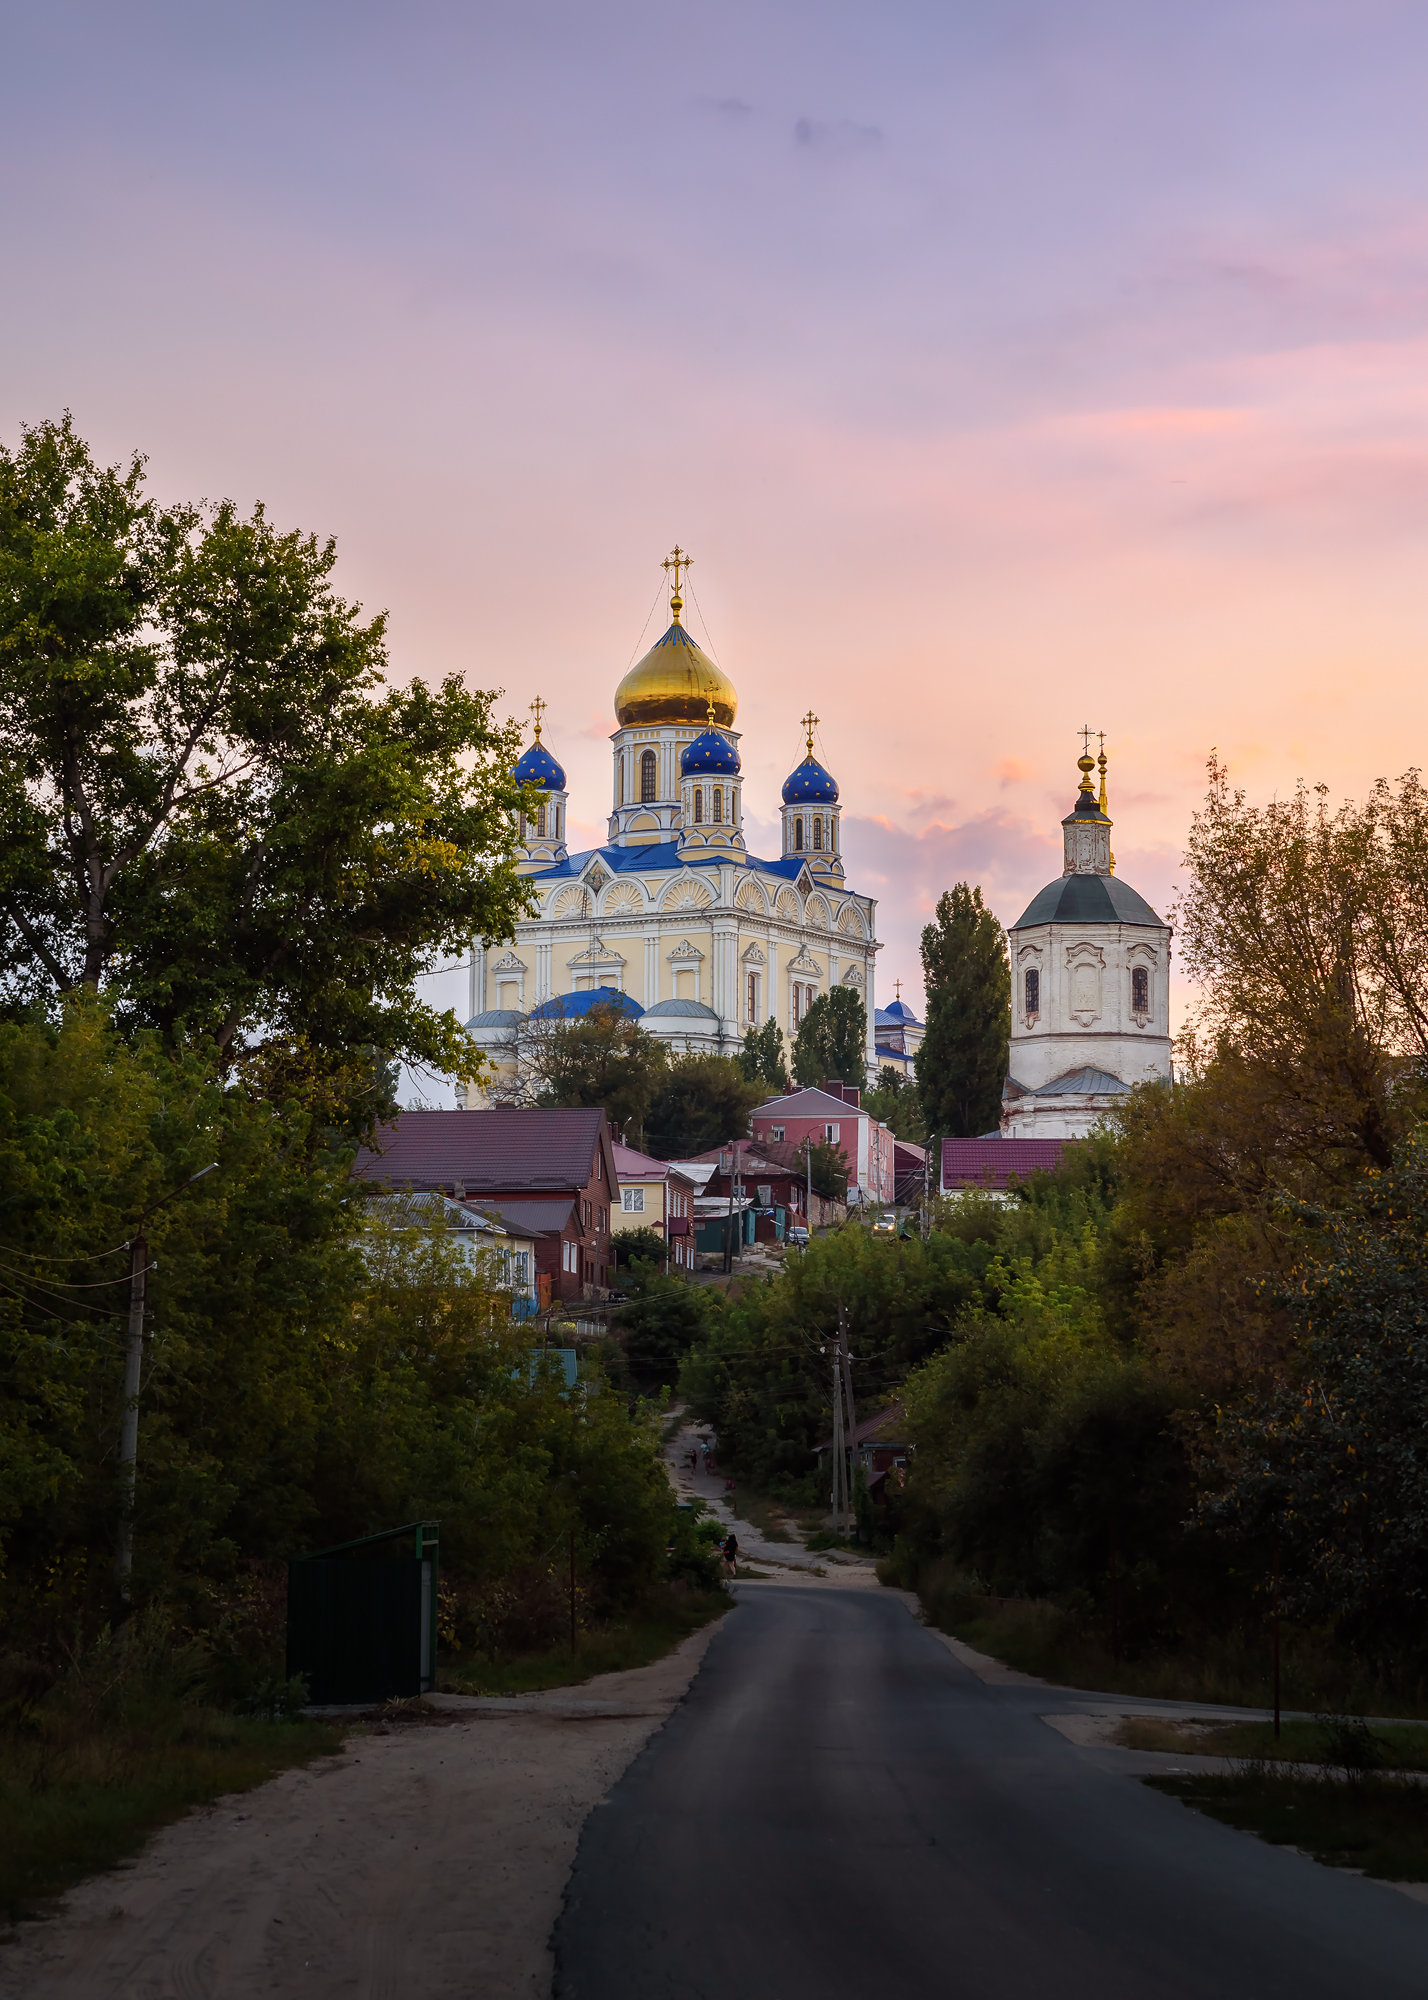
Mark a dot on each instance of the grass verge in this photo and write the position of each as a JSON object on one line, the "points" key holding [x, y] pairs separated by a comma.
{"points": [[1399, 1747], [76, 1800], [1231, 1669], [601, 1649], [1378, 1826]]}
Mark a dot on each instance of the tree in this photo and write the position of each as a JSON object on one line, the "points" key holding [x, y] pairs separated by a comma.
{"points": [[827, 1165], [211, 809], [896, 1103], [1331, 1463], [603, 1057], [962, 1063], [761, 1058], [832, 1039], [704, 1101]]}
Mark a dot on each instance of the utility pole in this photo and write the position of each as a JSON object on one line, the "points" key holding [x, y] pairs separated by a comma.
{"points": [[847, 1372], [133, 1382], [808, 1149], [838, 1469]]}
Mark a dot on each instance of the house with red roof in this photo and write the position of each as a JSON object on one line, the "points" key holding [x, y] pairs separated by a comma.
{"points": [[987, 1165], [546, 1174], [832, 1115]]}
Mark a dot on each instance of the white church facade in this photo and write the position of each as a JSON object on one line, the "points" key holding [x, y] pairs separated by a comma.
{"points": [[673, 920], [1090, 966]]}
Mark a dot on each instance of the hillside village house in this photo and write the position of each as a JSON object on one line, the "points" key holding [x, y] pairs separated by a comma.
{"points": [[507, 1253], [833, 1114], [655, 1195], [546, 1174]]}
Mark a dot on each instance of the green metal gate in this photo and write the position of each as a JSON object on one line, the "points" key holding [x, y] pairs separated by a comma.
{"points": [[362, 1627]]}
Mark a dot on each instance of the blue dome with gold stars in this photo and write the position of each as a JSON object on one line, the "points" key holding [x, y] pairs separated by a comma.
{"points": [[538, 767], [810, 785], [710, 754]]}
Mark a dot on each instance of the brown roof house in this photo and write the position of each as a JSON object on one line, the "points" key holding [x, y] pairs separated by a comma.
{"points": [[545, 1174]]}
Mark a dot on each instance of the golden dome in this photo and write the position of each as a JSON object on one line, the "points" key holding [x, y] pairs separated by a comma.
{"points": [[675, 682]]}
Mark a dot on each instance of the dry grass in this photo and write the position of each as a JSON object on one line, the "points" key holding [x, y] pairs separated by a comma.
{"points": [[1404, 1747]]}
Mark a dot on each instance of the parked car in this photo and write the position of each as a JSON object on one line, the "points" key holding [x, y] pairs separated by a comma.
{"points": [[797, 1236]]}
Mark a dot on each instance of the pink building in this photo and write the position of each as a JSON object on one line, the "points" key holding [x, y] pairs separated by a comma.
{"points": [[833, 1114]]}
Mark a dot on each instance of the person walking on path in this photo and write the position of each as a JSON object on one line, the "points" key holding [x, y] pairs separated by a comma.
{"points": [[731, 1555]]}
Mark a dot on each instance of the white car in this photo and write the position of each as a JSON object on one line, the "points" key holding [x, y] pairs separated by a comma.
{"points": [[797, 1236]]}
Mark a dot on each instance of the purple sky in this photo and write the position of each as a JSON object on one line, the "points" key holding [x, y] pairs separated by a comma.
{"points": [[1005, 367]]}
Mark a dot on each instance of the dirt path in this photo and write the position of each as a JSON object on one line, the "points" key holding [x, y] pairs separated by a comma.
{"points": [[427, 1862]]}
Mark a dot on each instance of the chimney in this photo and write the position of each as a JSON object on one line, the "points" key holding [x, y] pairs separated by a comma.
{"points": [[458, 1190], [834, 1086]]}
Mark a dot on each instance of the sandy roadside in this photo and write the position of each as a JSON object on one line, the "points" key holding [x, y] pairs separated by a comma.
{"points": [[427, 1862]]}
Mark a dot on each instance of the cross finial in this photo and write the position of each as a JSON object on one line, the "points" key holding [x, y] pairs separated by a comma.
{"points": [[709, 702], [897, 989], [1086, 763], [538, 709], [676, 561], [810, 723], [1101, 760]]}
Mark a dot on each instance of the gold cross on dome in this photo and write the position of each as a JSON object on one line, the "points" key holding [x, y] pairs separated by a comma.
{"points": [[810, 723], [538, 709], [897, 989], [1086, 734], [676, 561]]}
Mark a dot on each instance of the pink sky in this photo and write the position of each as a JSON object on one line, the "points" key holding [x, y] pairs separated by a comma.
{"points": [[1004, 368]]}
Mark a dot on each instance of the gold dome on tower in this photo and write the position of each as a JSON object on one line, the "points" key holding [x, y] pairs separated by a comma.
{"points": [[676, 681]]}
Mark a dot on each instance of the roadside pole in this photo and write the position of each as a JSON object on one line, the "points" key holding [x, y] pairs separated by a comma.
{"points": [[837, 1445], [852, 1446]]}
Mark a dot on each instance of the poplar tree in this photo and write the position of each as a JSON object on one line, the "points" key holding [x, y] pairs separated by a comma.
{"points": [[962, 1063]]}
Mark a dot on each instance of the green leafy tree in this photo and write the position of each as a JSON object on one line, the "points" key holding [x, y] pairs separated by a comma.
{"points": [[897, 1103], [832, 1039], [212, 810], [1331, 1463], [664, 1318], [704, 1101], [827, 1164], [761, 1059], [602, 1057], [962, 1063]]}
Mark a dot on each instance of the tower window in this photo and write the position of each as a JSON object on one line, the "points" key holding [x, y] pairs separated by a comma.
{"points": [[718, 805], [1140, 990], [698, 805], [620, 783], [1033, 992], [818, 831], [649, 777], [540, 823], [754, 999], [798, 834]]}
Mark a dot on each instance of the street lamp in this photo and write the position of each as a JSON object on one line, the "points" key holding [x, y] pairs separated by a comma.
{"points": [[133, 1370]]}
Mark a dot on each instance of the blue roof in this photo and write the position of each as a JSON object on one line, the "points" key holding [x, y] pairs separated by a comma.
{"points": [[570, 1006], [709, 752], [538, 767], [810, 784], [899, 1011]]}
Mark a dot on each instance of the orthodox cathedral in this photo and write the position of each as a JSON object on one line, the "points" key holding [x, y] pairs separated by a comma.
{"points": [[1090, 964], [673, 920]]}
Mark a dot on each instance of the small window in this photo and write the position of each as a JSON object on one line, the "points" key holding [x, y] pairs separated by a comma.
{"points": [[798, 834], [754, 998], [1140, 990], [830, 1133], [718, 806], [698, 805], [1033, 992], [620, 783], [818, 832], [632, 1200], [540, 823], [649, 777], [776, 1134]]}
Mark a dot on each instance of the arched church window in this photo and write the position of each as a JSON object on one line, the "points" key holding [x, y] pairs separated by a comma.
{"points": [[818, 831], [1140, 990], [540, 823], [620, 783], [649, 777], [798, 834], [718, 805], [698, 805], [1033, 993]]}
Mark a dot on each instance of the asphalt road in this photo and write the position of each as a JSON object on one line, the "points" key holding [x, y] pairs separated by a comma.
{"points": [[840, 1808]]}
